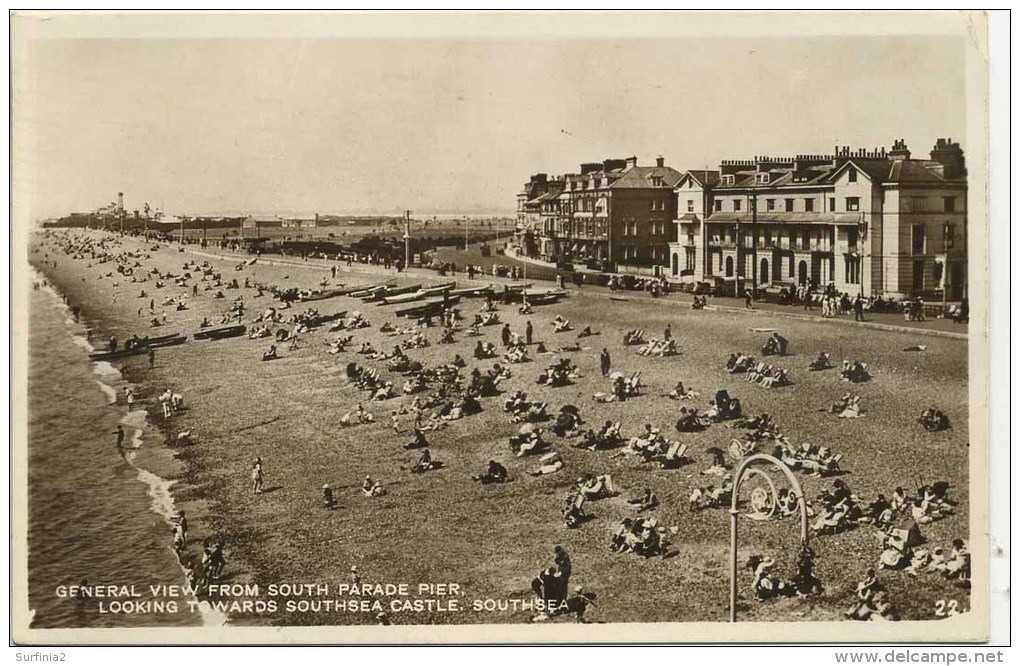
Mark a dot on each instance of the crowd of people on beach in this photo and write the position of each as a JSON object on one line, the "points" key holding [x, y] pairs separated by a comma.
{"points": [[438, 394]]}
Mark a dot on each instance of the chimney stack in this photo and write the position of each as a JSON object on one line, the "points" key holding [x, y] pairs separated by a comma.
{"points": [[660, 161], [631, 162]]}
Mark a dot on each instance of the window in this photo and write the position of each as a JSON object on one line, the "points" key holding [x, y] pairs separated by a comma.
{"points": [[718, 205], [917, 239], [727, 179], [770, 204], [949, 235], [853, 204], [736, 205], [689, 260], [851, 175], [809, 205], [805, 239], [948, 204], [690, 205], [918, 277], [768, 236], [762, 179], [690, 235], [789, 205], [832, 204], [852, 270], [918, 204], [851, 240], [656, 181]]}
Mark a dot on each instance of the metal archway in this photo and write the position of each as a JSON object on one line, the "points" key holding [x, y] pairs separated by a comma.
{"points": [[745, 469]]}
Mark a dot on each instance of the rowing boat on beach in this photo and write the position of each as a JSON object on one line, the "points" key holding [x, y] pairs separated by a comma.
{"points": [[140, 347], [473, 292], [219, 333], [389, 292], [323, 295], [361, 292], [434, 307], [419, 294]]}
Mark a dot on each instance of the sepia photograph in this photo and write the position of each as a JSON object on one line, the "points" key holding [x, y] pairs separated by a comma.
{"points": [[473, 327]]}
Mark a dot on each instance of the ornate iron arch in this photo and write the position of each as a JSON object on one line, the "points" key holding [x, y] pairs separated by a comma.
{"points": [[764, 504]]}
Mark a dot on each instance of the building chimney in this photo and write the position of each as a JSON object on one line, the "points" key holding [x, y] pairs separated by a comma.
{"points": [[899, 150], [949, 154], [631, 162], [660, 161]]}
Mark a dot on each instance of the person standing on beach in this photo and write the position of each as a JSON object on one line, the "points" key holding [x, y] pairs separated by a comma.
{"points": [[120, 436], [152, 358], [604, 361], [256, 477], [668, 334], [529, 331]]}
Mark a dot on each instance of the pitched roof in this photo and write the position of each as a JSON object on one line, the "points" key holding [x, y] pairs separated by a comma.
{"points": [[703, 176], [640, 177]]}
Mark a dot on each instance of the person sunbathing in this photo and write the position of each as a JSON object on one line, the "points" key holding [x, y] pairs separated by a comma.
{"points": [[560, 325], [820, 363], [495, 473], [270, 353], [551, 463], [573, 510], [485, 350], [933, 420], [418, 442], [854, 372], [689, 421], [596, 486], [646, 501], [425, 463], [634, 337], [370, 488]]}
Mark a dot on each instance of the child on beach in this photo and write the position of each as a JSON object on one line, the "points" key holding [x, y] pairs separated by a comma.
{"points": [[256, 477], [395, 421]]}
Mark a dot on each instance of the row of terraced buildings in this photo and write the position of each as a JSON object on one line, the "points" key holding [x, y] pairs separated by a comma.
{"points": [[874, 222]]}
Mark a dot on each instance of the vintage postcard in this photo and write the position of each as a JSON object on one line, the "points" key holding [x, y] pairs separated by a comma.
{"points": [[499, 327]]}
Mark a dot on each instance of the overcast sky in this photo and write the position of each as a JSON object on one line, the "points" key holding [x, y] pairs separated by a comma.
{"points": [[368, 125]]}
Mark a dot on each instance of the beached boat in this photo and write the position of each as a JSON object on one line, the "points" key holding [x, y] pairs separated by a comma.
{"points": [[473, 292], [419, 295], [389, 292], [368, 291], [434, 307], [219, 333], [140, 347], [323, 295]]}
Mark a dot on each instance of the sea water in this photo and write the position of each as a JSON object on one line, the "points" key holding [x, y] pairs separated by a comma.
{"points": [[96, 512]]}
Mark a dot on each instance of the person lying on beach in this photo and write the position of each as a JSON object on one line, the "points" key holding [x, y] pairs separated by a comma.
{"points": [[550, 464], [370, 488], [270, 353], [560, 324]]}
